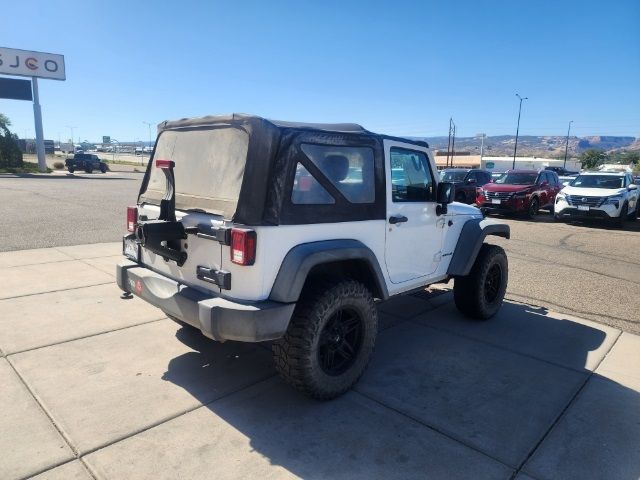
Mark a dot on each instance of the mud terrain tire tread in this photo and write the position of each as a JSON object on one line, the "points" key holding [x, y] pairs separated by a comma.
{"points": [[468, 291], [295, 355]]}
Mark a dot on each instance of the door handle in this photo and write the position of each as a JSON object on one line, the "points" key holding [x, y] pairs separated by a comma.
{"points": [[393, 219]]}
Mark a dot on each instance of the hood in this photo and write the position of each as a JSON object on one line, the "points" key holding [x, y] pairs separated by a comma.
{"points": [[499, 187], [456, 208], [593, 192]]}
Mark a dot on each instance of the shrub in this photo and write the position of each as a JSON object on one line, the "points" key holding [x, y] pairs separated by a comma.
{"points": [[58, 165]]}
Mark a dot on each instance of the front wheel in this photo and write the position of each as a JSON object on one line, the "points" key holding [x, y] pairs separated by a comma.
{"points": [[622, 219], [71, 169], [329, 340], [480, 294], [534, 206]]}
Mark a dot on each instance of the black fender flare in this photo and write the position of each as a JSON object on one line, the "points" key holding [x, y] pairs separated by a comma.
{"points": [[470, 241], [301, 259]]}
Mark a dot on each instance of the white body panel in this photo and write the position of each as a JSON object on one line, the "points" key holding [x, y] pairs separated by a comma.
{"points": [[410, 254], [412, 248]]}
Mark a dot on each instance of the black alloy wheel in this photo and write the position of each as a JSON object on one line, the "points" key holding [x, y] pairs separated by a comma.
{"points": [[340, 342], [492, 283]]}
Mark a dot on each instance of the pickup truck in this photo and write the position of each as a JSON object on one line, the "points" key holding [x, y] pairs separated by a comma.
{"points": [[86, 162]]}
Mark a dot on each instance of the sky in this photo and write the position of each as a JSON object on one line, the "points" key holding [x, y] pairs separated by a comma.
{"points": [[396, 67]]}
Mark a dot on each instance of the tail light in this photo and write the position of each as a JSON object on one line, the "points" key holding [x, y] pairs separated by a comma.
{"points": [[243, 246], [132, 218], [165, 164]]}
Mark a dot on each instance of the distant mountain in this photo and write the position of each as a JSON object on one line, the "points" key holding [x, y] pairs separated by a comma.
{"points": [[535, 146]]}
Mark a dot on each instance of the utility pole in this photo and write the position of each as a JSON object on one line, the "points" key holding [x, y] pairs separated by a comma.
{"points": [[515, 149], [566, 146], [453, 144], [481, 136], [452, 134], [72, 140]]}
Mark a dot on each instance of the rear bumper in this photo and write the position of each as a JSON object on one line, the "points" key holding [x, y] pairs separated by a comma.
{"points": [[218, 318]]}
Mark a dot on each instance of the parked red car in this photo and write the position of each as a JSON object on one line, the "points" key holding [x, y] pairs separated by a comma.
{"points": [[520, 191]]}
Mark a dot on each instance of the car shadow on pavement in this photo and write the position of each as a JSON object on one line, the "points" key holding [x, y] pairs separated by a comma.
{"points": [[443, 397]]}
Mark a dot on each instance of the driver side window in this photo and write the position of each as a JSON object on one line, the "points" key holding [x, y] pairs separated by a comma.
{"points": [[411, 178]]}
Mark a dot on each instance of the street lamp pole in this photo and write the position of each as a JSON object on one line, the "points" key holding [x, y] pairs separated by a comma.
{"points": [[566, 146], [515, 149], [148, 124], [72, 141]]}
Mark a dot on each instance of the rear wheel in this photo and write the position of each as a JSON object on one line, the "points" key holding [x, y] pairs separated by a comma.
{"points": [[71, 169], [480, 294], [329, 340], [103, 167]]}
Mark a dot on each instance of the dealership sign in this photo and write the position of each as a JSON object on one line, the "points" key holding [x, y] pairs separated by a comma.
{"points": [[31, 64]]}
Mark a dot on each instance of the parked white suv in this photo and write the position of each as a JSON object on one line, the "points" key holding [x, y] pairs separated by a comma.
{"points": [[604, 195], [250, 230]]}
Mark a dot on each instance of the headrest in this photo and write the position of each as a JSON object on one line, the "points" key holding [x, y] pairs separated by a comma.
{"points": [[336, 167]]}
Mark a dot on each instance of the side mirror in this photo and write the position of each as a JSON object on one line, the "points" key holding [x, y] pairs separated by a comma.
{"points": [[633, 186], [544, 184], [445, 195]]}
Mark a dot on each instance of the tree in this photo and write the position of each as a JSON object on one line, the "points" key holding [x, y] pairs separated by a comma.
{"points": [[592, 158], [10, 153]]}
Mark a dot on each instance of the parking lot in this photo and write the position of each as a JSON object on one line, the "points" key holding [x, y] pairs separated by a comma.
{"points": [[589, 270], [100, 386]]}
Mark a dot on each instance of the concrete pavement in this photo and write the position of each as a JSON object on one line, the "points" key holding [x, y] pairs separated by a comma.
{"points": [[97, 386]]}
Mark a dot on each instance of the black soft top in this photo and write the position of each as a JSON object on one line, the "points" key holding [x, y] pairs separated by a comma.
{"points": [[271, 156]]}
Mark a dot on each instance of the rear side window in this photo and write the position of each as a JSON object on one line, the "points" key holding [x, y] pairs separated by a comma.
{"points": [[349, 169]]}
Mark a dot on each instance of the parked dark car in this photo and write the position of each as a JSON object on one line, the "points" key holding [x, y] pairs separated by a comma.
{"points": [[466, 181], [86, 162], [561, 171], [520, 191]]}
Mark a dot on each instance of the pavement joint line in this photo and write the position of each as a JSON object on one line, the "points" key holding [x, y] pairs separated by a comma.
{"points": [[528, 301], [566, 408], [82, 245], [45, 411], [55, 465], [62, 342], [58, 290], [446, 434], [70, 259], [501, 347], [172, 417], [82, 260]]}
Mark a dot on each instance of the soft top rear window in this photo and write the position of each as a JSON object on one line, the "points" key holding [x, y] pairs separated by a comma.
{"points": [[209, 168]]}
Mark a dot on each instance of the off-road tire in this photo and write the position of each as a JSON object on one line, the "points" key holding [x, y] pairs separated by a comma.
{"points": [[533, 209], [470, 293], [71, 170], [103, 167], [297, 356], [461, 197]]}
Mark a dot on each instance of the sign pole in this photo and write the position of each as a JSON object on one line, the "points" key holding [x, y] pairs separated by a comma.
{"points": [[37, 115]]}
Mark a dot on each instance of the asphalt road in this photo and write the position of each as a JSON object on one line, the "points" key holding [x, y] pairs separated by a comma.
{"points": [[591, 270], [62, 209]]}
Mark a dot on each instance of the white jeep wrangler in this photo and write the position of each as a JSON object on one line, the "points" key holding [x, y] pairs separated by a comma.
{"points": [[253, 230]]}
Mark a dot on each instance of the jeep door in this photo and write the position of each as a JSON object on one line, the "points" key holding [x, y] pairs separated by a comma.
{"points": [[414, 231]]}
